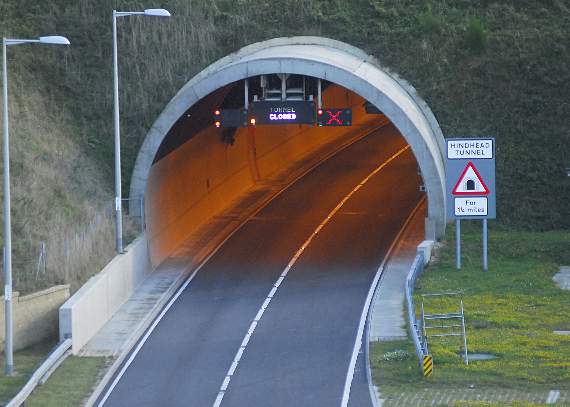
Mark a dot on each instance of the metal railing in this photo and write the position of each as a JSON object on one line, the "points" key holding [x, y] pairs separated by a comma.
{"points": [[42, 373], [414, 324]]}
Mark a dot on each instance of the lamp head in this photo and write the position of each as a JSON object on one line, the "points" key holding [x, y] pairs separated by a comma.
{"points": [[54, 40], [157, 12]]}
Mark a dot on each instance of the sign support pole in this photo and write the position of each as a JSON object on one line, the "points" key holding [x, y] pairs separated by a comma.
{"points": [[485, 241], [458, 244]]}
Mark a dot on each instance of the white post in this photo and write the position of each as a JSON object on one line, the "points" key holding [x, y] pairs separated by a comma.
{"points": [[246, 94], [118, 195], [8, 348], [458, 244], [319, 94], [485, 246]]}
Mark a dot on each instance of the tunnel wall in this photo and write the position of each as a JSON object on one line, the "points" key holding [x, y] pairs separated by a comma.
{"points": [[204, 176]]}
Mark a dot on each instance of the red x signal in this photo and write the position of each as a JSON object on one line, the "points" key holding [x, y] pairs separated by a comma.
{"points": [[334, 117]]}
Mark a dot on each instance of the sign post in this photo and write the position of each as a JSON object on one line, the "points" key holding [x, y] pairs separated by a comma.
{"points": [[458, 244], [470, 179]]}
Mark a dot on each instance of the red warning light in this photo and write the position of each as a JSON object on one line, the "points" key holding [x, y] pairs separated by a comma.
{"points": [[217, 113], [218, 124], [320, 112]]}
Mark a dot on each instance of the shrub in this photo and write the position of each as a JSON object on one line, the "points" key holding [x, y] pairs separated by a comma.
{"points": [[430, 23], [476, 36]]}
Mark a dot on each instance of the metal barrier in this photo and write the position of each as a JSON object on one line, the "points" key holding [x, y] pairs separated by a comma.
{"points": [[56, 357], [414, 325]]}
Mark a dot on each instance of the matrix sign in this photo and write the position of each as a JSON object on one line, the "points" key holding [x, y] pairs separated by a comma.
{"points": [[293, 112], [334, 117], [470, 175]]}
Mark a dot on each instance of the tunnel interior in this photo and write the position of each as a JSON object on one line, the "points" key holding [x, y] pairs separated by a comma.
{"points": [[202, 174]]}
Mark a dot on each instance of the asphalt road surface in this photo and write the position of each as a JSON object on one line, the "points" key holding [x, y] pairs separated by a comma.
{"points": [[300, 350]]}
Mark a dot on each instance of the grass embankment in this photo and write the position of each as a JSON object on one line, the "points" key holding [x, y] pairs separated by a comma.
{"points": [[70, 384], [511, 312]]}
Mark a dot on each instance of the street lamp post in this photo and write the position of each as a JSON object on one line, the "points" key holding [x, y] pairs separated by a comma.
{"points": [[8, 347], [156, 12]]}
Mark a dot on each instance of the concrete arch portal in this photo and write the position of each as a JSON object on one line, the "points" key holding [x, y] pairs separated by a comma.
{"points": [[330, 60]]}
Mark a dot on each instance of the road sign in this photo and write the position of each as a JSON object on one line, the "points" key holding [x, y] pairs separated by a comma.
{"points": [[470, 183], [470, 178], [287, 112], [334, 117], [471, 206], [470, 149]]}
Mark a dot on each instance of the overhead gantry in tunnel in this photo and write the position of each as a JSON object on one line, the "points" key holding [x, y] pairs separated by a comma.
{"points": [[188, 171]]}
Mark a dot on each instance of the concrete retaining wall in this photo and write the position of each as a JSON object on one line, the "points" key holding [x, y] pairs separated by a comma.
{"points": [[35, 315], [95, 303], [204, 176]]}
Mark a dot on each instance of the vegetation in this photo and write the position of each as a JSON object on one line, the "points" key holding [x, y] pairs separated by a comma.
{"points": [[485, 67], [511, 312], [70, 384]]}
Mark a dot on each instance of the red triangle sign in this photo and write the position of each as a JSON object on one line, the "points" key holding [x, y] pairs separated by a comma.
{"points": [[470, 183]]}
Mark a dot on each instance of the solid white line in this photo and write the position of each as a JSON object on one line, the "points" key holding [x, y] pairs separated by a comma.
{"points": [[373, 390], [364, 315], [267, 301]]}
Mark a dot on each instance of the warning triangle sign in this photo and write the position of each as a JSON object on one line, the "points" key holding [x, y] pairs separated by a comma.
{"points": [[470, 183]]}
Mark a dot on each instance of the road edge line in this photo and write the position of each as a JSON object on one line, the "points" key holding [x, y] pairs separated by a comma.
{"points": [[365, 313]]}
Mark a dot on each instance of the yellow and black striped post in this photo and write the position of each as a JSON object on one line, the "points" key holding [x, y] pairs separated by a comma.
{"points": [[428, 365]]}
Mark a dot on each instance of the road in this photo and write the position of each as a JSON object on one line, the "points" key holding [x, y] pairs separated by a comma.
{"points": [[300, 350]]}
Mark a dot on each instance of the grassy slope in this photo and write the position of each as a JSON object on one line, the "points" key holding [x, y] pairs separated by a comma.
{"points": [[70, 384], [514, 87], [511, 312]]}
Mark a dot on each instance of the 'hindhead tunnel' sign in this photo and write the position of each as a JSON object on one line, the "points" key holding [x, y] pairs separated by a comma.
{"points": [[470, 178]]}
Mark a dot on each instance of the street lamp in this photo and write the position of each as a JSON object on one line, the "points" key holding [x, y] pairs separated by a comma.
{"points": [[155, 12], [8, 348]]}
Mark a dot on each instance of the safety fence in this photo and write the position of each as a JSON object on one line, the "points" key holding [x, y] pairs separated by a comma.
{"points": [[415, 324]]}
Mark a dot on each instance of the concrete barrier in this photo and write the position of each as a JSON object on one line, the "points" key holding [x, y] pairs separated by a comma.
{"points": [[96, 301], [35, 315]]}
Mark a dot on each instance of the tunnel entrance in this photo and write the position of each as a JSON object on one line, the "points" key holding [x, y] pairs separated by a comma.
{"points": [[183, 141]]}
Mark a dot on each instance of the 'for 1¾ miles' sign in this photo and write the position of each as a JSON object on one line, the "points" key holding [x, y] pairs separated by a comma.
{"points": [[470, 178]]}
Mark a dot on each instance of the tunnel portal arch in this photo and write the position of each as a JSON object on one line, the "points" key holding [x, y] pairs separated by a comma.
{"points": [[333, 61]]}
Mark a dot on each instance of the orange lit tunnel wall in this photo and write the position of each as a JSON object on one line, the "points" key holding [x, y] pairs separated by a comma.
{"points": [[202, 177]]}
